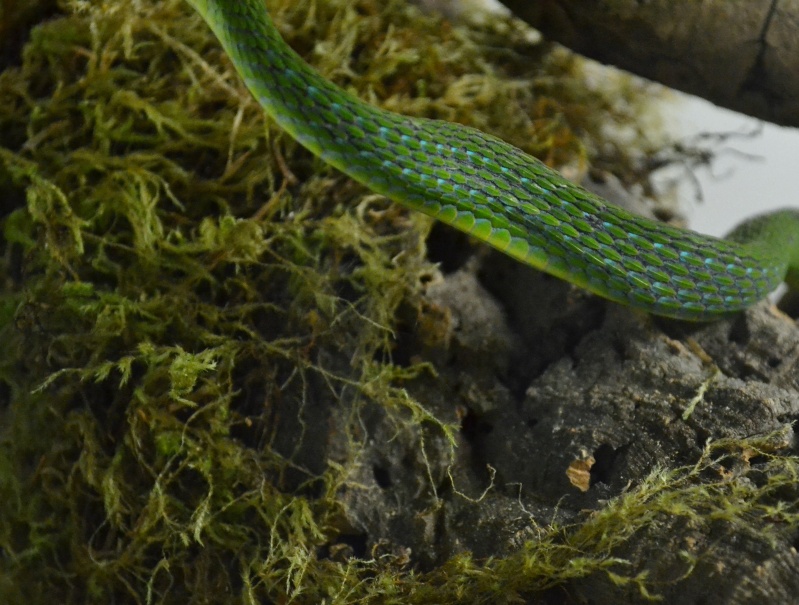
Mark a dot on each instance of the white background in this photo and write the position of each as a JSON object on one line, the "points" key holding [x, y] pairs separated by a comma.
{"points": [[736, 187]]}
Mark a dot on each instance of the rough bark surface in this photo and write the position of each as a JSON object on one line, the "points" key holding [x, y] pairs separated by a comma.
{"points": [[571, 401], [743, 55]]}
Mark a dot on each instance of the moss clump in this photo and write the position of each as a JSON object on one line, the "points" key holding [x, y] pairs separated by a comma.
{"points": [[183, 283]]}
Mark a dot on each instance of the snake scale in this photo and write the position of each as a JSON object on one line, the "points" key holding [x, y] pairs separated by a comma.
{"points": [[502, 196]]}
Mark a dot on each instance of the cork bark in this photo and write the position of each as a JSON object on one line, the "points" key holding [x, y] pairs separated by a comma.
{"points": [[570, 403], [742, 55]]}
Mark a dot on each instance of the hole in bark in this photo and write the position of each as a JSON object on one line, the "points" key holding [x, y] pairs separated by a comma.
{"points": [[347, 546], [448, 247], [756, 461], [605, 457], [382, 477], [739, 331], [406, 339], [474, 426]]}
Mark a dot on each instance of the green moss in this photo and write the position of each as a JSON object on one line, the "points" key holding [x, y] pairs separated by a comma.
{"points": [[183, 280]]}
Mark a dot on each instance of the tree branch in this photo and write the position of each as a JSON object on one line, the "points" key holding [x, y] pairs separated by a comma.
{"points": [[739, 55]]}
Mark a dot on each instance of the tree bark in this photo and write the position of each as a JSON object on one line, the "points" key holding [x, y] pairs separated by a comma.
{"points": [[743, 55]]}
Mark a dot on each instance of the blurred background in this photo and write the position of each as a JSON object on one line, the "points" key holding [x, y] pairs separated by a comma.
{"points": [[754, 170]]}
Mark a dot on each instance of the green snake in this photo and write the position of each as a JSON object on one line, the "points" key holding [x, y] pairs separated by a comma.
{"points": [[502, 196]]}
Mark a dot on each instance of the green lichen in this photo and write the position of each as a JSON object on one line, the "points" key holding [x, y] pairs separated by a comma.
{"points": [[182, 280]]}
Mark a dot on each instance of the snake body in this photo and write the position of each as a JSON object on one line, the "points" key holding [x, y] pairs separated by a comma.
{"points": [[502, 196]]}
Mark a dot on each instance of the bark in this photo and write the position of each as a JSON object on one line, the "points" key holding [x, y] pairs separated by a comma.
{"points": [[743, 55], [574, 401]]}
